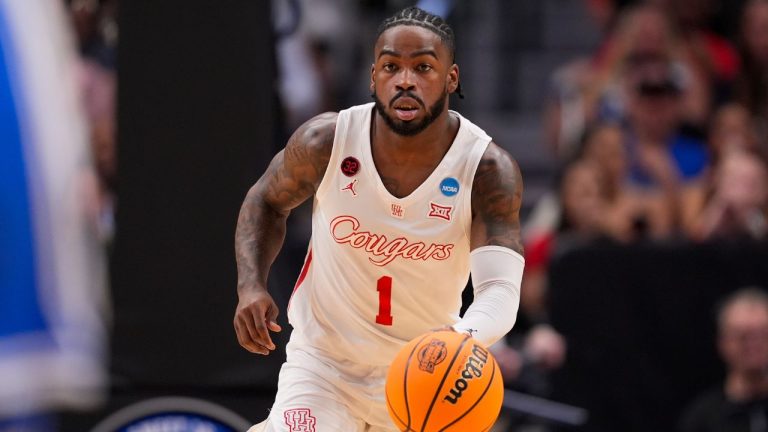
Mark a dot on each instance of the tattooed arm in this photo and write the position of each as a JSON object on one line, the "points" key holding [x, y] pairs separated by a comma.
{"points": [[292, 177], [496, 259], [497, 194]]}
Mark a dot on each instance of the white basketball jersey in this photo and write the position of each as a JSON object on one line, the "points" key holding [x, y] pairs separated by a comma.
{"points": [[381, 270]]}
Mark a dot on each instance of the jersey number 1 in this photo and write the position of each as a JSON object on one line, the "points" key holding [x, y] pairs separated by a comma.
{"points": [[384, 287]]}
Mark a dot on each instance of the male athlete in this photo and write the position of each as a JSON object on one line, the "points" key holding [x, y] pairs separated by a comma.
{"points": [[408, 198]]}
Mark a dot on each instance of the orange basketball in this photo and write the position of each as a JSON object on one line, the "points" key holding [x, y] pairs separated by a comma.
{"points": [[444, 381]]}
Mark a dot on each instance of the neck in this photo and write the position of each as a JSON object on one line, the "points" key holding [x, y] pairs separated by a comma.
{"points": [[743, 386]]}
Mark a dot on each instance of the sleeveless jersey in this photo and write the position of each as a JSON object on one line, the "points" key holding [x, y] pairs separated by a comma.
{"points": [[381, 270]]}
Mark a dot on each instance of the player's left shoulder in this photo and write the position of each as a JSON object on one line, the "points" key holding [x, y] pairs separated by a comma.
{"points": [[497, 172]]}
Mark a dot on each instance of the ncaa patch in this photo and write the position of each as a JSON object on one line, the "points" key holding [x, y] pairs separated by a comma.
{"points": [[449, 186], [350, 166]]}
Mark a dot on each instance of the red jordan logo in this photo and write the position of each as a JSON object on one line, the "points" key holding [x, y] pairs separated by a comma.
{"points": [[300, 420], [350, 187], [440, 212]]}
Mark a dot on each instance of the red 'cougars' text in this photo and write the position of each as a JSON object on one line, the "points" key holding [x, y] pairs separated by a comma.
{"points": [[345, 229]]}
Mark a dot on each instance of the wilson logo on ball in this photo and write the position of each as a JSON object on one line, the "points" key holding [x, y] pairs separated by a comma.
{"points": [[473, 368], [432, 355]]}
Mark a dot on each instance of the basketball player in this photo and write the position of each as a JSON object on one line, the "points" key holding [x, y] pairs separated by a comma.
{"points": [[408, 198]]}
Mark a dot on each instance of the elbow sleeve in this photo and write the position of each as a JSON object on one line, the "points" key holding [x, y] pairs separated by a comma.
{"points": [[496, 276]]}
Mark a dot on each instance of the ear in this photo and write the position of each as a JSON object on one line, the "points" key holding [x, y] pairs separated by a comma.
{"points": [[452, 80], [373, 76]]}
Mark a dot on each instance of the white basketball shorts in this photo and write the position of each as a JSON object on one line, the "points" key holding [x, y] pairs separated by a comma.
{"points": [[317, 393]]}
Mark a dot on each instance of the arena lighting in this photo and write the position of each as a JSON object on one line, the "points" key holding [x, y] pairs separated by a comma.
{"points": [[173, 414]]}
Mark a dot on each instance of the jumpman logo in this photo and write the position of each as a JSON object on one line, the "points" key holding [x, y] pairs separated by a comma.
{"points": [[350, 187]]}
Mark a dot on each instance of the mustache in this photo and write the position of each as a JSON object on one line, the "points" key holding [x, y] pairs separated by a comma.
{"points": [[406, 93]]}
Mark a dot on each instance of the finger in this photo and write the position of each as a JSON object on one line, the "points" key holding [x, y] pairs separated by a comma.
{"points": [[258, 326], [247, 342], [243, 338], [252, 341], [255, 334], [272, 319]]}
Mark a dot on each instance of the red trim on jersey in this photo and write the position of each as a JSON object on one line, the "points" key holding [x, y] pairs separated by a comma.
{"points": [[304, 270], [302, 275]]}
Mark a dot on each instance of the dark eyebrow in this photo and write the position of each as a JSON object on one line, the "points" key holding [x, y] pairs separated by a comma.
{"points": [[389, 52], [427, 51]]}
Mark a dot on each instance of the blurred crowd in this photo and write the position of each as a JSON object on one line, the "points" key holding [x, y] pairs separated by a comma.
{"points": [[661, 131], [660, 134]]}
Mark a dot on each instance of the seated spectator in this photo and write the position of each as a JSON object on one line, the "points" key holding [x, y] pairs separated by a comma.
{"points": [[738, 202], [740, 403], [626, 213], [630, 213], [731, 129]]}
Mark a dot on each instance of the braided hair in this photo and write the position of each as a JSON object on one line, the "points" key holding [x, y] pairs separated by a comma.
{"points": [[418, 17]]}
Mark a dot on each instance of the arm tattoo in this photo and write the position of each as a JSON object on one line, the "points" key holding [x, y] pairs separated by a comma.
{"points": [[293, 176], [496, 199]]}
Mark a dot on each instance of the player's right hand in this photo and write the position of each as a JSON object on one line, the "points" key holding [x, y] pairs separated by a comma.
{"points": [[254, 319]]}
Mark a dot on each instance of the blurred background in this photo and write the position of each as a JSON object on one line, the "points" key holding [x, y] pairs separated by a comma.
{"points": [[131, 131]]}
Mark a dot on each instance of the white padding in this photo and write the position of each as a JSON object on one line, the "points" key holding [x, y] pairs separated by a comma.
{"points": [[496, 276]]}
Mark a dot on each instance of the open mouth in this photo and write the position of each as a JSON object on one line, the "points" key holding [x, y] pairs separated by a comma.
{"points": [[406, 112]]}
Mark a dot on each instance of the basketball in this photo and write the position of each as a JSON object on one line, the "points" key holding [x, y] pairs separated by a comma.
{"points": [[444, 381]]}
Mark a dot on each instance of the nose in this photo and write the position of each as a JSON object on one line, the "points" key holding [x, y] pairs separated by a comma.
{"points": [[405, 80]]}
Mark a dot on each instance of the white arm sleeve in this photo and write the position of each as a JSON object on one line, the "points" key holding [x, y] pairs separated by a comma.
{"points": [[496, 275]]}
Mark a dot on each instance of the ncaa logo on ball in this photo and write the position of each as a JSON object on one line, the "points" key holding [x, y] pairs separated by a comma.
{"points": [[449, 186], [432, 355]]}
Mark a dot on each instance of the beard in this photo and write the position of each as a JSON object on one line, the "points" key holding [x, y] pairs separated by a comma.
{"points": [[410, 128]]}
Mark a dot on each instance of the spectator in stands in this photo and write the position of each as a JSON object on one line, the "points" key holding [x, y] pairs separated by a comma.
{"points": [[740, 404], [714, 55], [662, 160], [731, 129], [588, 90], [738, 202], [630, 213]]}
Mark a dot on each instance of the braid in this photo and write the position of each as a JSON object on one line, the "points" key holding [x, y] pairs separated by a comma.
{"points": [[419, 17]]}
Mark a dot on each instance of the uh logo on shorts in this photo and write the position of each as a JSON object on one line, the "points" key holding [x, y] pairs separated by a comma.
{"points": [[300, 420]]}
